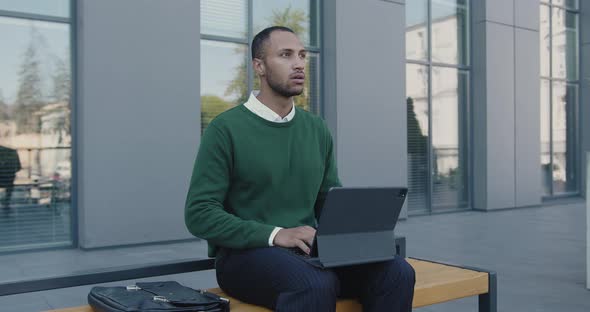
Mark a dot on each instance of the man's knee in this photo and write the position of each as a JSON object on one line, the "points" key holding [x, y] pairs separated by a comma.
{"points": [[398, 273], [406, 270], [319, 282], [312, 291]]}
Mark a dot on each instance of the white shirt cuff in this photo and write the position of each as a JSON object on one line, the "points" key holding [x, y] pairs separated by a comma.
{"points": [[273, 234]]}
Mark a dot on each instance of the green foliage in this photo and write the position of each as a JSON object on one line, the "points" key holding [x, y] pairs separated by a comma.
{"points": [[62, 83], [29, 95], [211, 106]]}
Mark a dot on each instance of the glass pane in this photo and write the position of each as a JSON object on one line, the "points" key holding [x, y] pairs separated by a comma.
{"points": [[564, 137], [417, 114], [224, 18], [565, 44], [546, 171], [299, 15], [310, 98], [449, 137], [450, 31], [570, 4], [59, 8], [417, 30], [35, 135], [544, 33], [224, 79]]}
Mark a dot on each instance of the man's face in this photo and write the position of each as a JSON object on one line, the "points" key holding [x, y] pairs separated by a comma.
{"points": [[283, 64]]}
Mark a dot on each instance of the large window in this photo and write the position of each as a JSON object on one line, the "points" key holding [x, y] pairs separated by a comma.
{"points": [[35, 131], [559, 32], [227, 29], [437, 96]]}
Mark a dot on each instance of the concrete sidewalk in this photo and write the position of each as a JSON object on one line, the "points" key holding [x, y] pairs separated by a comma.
{"points": [[538, 253]]}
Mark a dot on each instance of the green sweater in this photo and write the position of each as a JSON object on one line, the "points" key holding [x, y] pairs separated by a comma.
{"points": [[252, 175]]}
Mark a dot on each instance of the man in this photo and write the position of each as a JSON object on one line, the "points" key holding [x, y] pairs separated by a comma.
{"points": [[9, 166], [260, 176]]}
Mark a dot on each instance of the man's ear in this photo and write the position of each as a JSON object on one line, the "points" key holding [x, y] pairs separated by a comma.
{"points": [[258, 66]]}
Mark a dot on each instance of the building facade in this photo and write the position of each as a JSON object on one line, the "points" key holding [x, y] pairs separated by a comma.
{"points": [[472, 104]]}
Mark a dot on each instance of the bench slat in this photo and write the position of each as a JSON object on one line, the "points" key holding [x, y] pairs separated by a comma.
{"points": [[435, 283]]}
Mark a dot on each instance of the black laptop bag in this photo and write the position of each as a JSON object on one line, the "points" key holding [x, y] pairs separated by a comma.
{"points": [[155, 296]]}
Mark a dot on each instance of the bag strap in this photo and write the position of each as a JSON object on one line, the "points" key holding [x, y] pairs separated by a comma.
{"points": [[159, 297]]}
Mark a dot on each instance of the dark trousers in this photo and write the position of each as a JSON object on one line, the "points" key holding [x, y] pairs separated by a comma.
{"points": [[8, 188], [276, 278]]}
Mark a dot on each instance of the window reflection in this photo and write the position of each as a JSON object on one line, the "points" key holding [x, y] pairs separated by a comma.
{"points": [[546, 170], [450, 31], [417, 118], [565, 44], [559, 97], [570, 4], [449, 102], [545, 40], [35, 134], [59, 8], [224, 80], [224, 18], [417, 30], [437, 164], [295, 14], [564, 137], [310, 98]]}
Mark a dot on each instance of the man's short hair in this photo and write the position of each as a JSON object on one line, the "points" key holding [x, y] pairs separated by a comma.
{"points": [[261, 38]]}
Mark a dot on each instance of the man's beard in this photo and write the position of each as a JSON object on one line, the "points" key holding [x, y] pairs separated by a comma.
{"points": [[279, 88]]}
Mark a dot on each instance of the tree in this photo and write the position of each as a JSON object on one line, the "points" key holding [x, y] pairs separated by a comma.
{"points": [[62, 84], [211, 106], [4, 113], [29, 95], [419, 142], [62, 87]]}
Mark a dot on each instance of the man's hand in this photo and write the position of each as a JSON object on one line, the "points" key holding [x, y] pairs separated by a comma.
{"points": [[301, 237]]}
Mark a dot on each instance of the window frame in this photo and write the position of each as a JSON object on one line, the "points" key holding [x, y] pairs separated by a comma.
{"points": [[72, 22], [466, 115], [566, 81]]}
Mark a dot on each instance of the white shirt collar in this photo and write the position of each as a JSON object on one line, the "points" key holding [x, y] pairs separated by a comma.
{"points": [[255, 106]]}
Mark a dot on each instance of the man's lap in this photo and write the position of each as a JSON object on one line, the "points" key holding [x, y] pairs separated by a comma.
{"points": [[260, 275]]}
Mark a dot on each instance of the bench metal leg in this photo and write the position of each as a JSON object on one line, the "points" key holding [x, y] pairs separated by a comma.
{"points": [[489, 302], [400, 246]]}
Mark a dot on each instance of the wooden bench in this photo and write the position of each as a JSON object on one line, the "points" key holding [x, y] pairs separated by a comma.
{"points": [[435, 283]]}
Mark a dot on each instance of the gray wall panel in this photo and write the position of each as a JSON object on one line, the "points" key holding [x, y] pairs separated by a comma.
{"points": [[584, 87], [500, 116], [498, 11], [527, 127], [396, 1], [478, 106], [585, 21], [371, 118], [138, 118], [585, 109], [526, 14], [585, 63]]}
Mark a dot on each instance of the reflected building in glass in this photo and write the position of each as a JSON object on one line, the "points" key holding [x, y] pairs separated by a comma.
{"points": [[35, 123], [437, 91]]}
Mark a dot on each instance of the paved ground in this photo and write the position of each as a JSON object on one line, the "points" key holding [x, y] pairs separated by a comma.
{"points": [[539, 254]]}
